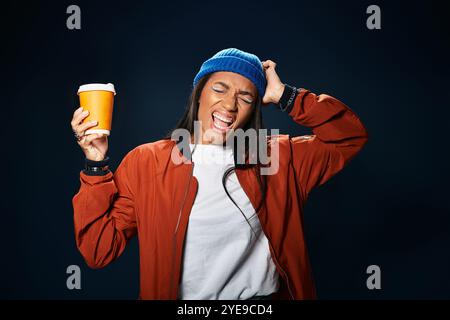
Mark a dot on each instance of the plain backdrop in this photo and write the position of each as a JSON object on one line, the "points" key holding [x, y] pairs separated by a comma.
{"points": [[389, 207]]}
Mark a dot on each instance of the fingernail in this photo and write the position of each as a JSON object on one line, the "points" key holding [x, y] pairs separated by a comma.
{"points": [[85, 112], [93, 122], [80, 108]]}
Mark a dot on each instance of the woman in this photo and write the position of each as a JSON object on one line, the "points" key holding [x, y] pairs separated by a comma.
{"points": [[216, 229]]}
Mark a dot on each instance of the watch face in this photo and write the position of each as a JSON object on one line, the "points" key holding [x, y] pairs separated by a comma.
{"points": [[97, 169]]}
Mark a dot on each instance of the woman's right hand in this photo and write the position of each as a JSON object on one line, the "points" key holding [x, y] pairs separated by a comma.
{"points": [[94, 145]]}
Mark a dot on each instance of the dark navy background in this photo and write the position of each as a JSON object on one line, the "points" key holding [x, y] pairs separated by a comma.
{"points": [[389, 207]]}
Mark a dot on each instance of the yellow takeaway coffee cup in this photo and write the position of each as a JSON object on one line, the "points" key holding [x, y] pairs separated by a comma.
{"points": [[98, 99]]}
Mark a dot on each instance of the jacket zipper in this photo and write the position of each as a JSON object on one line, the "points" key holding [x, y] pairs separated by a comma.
{"points": [[278, 264], [176, 229]]}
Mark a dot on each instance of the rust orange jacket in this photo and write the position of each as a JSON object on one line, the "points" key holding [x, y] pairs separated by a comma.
{"points": [[151, 196]]}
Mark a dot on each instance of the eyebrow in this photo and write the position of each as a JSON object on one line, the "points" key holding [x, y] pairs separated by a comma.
{"points": [[247, 93]]}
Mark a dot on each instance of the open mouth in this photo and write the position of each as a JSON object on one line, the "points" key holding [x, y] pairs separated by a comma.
{"points": [[221, 122]]}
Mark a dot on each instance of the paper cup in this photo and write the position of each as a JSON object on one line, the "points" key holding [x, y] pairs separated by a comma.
{"points": [[98, 99]]}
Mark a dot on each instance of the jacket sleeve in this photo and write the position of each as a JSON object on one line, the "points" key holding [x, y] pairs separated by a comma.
{"points": [[338, 135], [104, 214]]}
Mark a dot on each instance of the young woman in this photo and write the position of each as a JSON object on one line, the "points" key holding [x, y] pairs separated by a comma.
{"points": [[210, 226]]}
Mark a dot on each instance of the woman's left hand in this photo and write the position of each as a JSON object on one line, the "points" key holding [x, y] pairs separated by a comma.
{"points": [[275, 87]]}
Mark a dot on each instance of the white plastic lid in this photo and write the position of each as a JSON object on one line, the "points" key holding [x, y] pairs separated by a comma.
{"points": [[97, 86]]}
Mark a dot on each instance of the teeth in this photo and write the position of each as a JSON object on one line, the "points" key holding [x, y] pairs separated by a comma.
{"points": [[219, 126], [218, 116]]}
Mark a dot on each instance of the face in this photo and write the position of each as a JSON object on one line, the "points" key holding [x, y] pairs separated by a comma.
{"points": [[226, 102]]}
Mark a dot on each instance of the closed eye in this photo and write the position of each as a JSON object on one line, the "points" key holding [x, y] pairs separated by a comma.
{"points": [[217, 90], [246, 101], [221, 91]]}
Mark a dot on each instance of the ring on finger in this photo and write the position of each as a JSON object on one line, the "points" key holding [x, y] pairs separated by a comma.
{"points": [[78, 136]]}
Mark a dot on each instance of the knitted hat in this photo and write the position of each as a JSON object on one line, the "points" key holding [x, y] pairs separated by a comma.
{"points": [[235, 60]]}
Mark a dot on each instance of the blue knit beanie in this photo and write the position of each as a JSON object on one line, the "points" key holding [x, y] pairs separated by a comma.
{"points": [[238, 61]]}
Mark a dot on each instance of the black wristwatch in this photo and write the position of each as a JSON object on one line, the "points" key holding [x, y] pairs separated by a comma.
{"points": [[96, 168], [287, 98]]}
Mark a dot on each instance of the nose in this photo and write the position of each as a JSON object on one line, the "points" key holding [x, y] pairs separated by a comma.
{"points": [[229, 102]]}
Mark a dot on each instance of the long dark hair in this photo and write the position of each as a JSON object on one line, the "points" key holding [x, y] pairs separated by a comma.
{"points": [[255, 122]]}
